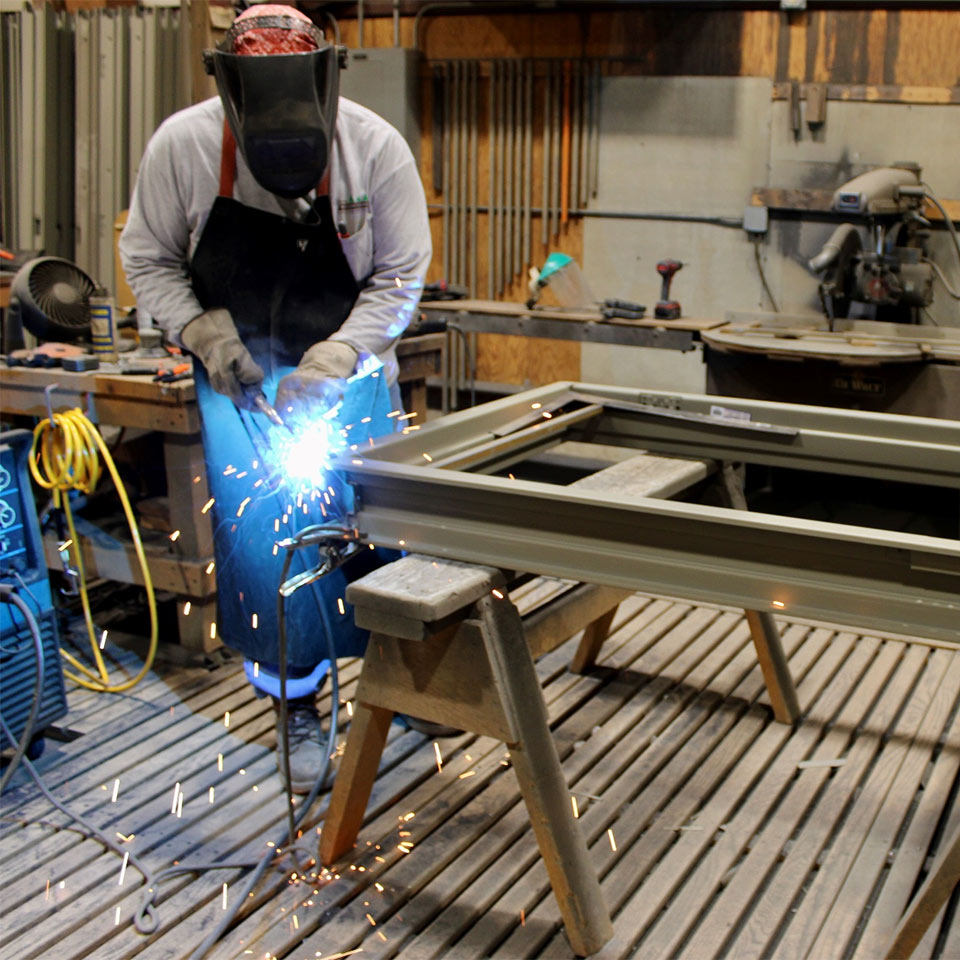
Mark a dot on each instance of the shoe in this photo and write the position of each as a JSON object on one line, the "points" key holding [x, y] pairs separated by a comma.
{"points": [[427, 727], [305, 735]]}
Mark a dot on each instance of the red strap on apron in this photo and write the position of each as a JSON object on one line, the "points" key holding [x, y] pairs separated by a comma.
{"points": [[228, 165], [228, 161]]}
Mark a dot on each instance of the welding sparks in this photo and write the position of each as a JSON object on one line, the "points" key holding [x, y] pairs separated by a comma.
{"points": [[407, 416], [175, 536], [427, 457], [116, 918], [243, 506], [340, 606], [213, 631], [547, 416], [206, 507], [180, 805], [373, 922], [116, 790], [523, 918], [211, 566], [210, 795], [576, 809], [497, 594], [220, 762], [778, 603], [436, 750], [123, 868], [176, 794], [468, 773], [223, 897], [226, 719], [186, 608], [103, 639], [613, 840], [66, 545]]}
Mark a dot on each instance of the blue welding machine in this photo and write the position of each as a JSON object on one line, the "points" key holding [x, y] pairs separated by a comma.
{"points": [[23, 569]]}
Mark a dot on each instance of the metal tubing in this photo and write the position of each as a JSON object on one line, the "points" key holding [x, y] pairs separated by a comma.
{"points": [[528, 165], [502, 168], [595, 160], [491, 164], [446, 172], [546, 140], [555, 151], [438, 122], [360, 24], [495, 174], [585, 154], [508, 173], [577, 126], [518, 167], [474, 165], [565, 148], [464, 167], [396, 23], [455, 173]]}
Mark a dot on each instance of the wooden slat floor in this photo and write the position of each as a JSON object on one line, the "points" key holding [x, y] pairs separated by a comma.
{"points": [[715, 831]]}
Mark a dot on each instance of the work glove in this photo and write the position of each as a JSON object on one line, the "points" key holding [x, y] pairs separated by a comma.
{"points": [[319, 380], [213, 339]]}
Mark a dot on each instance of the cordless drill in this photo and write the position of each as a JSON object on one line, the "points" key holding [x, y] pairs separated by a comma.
{"points": [[667, 309]]}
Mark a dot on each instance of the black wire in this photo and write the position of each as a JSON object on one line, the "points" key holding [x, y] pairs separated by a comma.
{"points": [[471, 361], [9, 595], [763, 276]]}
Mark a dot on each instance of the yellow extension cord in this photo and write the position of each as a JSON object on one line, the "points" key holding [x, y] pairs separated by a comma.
{"points": [[63, 457]]}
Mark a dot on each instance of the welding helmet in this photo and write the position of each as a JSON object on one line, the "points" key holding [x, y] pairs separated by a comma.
{"points": [[279, 82]]}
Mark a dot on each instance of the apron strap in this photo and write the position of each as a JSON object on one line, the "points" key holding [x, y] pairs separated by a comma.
{"points": [[228, 161], [228, 166]]}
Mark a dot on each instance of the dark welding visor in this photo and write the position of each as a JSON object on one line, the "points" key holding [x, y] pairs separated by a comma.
{"points": [[282, 110]]}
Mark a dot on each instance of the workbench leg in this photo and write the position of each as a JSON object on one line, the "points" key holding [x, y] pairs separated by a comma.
{"points": [[354, 780], [763, 628], [542, 783], [590, 643], [187, 492], [922, 910]]}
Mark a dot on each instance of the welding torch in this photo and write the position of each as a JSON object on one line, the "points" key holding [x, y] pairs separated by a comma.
{"points": [[258, 398]]}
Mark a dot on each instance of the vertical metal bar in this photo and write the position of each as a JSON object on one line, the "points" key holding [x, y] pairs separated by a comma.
{"points": [[464, 167], [586, 125], [575, 144], [555, 151], [454, 171], [565, 147], [491, 164], [84, 138], [528, 165], [28, 119], [517, 162], [502, 176], [446, 172], [508, 121], [495, 172], [474, 169], [437, 104], [546, 140], [595, 163]]}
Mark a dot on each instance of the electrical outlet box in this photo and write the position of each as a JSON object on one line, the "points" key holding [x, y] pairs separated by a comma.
{"points": [[756, 220], [385, 79]]}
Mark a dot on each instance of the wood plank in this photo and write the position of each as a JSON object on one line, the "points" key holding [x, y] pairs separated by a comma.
{"points": [[764, 848], [911, 853], [768, 913], [762, 779], [885, 803]]}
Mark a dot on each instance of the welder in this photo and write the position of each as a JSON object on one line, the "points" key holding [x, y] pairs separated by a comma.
{"points": [[279, 234]]}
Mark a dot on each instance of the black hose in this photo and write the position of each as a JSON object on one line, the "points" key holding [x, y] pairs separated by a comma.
{"points": [[9, 595]]}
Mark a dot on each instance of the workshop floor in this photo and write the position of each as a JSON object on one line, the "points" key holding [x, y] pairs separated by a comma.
{"points": [[716, 832]]}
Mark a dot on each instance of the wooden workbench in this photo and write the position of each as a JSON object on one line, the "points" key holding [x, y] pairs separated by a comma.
{"points": [[183, 566]]}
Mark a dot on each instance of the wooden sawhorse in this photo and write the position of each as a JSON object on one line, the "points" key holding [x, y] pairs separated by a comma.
{"points": [[447, 645]]}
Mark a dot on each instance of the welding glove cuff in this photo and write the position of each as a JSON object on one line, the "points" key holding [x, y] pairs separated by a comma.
{"points": [[213, 339], [319, 378]]}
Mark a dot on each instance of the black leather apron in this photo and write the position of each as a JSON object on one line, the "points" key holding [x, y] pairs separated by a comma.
{"points": [[287, 286]]}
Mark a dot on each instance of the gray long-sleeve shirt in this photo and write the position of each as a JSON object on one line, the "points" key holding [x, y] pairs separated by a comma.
{"points": [[375, 193]]}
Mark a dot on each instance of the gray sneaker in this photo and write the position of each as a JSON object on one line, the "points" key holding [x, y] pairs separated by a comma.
{"points": [[307, 743]]}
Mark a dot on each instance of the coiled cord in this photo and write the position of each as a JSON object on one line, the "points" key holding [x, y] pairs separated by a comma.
{"points": [[66, 455]]}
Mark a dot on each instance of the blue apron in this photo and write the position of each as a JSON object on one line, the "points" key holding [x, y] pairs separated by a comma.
{"points": [[287, 286]]}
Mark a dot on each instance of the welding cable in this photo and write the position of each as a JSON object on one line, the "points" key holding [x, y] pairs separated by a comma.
{"points": [[952, 230], [9, 595], [293, 822], [64, 457], [763, 276]]}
